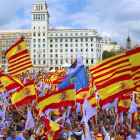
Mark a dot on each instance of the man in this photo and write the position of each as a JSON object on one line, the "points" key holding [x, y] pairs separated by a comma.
{"points": [[96, 134], [5, 134], [134, 135], [28, 135], [72, 137], [13, 136]]}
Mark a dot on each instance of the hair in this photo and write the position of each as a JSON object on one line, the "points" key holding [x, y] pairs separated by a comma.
{"points": [[113, 132], [3, 138], [13, 130], [29, 132], [122, 133]]}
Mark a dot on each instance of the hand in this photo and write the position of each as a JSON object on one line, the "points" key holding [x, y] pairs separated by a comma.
{"points": [[101, 123]]}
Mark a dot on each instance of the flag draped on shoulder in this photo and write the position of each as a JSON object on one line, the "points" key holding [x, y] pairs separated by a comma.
{"points": [[23, 95], [53, 129], [10, 83], [18, 57], [58, 99], [78, 77]]}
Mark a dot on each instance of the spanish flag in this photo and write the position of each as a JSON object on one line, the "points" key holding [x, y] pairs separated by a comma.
{"points": [[18, 57], [61, 71], [61, 98], [82, 94], [53, 129], [1, 70], [113, 77], [23, 95], [10, 83], [1, 87], [124, 103], [92, 100]]}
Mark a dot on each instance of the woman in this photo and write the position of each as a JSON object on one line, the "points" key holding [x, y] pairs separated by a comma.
{"points": [[37, 130], [123, 136], [107, 123]]}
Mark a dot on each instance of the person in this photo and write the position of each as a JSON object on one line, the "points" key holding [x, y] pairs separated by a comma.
{"points": [[66, 133], [13, 136], [2, 138], [5, 134], [37, 129], [72, 137], [123, 136], [96, 133], [28, 135], [134, 135]]}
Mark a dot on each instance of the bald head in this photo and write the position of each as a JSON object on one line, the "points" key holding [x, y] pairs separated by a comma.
{"points": [[133, 133]]}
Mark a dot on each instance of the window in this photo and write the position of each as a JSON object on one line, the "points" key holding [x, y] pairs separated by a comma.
{"points": [[56, 55], [66, 34], [86, 44], [61, 45], [3, 57], [13, 41], [41, 19], [51, 50], [43, 16], [66, 50], [66, 45], [34, 55], [61, 61], [71, 50], [76, 39], [8, 47], [91, 39], [56, 61], [34, 28], [86, 39], [76, 34], [43, 34], [87, 61], [51, 40], [43, 40], [55, 45], [34, 40], [76, 50], [91, 49], [76, 45], [55, 40], [38, 34], [61, 50], [26, 41], [43, 45], [61, 34], [61, 40], [81, 39], [34, 16], [9, 41], [71, 40], [51, 55], [86, 34], [86, 49], [27, 47], [43, 27], [34, 62], [38, 40], [39, 55], [81, 50], [3, 48], [91, 61], [81, 34], [71, 55], [3, 52], [91, 44], [39, 62], [61, 55], [51, 62], [43, 55], [55, 50], [43, 61], [34, 34], [71, 45], [56, 34], [81, 45], [66, 61], [66, 40], [71, 34], [38, 45], [51, 45], [38, 27], [3, 61], [91, 54], [43, 50], [34, 50], [66, 55]]}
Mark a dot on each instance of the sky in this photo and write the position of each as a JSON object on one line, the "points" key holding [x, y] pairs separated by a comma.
{"points": [[111, 18]]}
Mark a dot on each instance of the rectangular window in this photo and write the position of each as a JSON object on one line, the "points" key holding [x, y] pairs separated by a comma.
{"points": [[76, 39], [3, 48], [38, 27], [66, 55], [61, 34], [91, 49], [71, 45], [66, 40], [66, 50], [86, 44], [55, 40], [38, 34], [39, 41], [86, 34], [39, 55], [43, 45], [34, 50], [43, 50], [34, 16], [56, 61], [61, 55], [39, 62], [81, 39], [71, 34], [91, 61], [81, 34], [51, 62], [81, 45], [71, 50], [43, 40], [43, 16], [91, 39], [91, 54], [51, 55], [76, 45], [34, 55], [86, 61], [51, 45], [81, 50], [66, 45], [56, 55], [56, 34], [51, 50], [76, 50], [43, 27], [86, 49], [26, 41], [51, 40], [61, 40], [51, 34], [34, 62], [13, 41], [41, 19], [71, 55], [55, 50], [34, 40], [55, 45], [61, 61], [66, 34], [86, 39], [9, 41], [91, 44], [43, 55], [61, 50], [71, 40], [38, 45], [44, 61], [43, 34], [76, 34], [61, 45]]}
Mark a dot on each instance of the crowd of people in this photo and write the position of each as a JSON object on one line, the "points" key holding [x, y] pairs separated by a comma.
{"points": [[102, 126]]}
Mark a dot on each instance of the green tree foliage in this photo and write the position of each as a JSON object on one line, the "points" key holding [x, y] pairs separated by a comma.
{"points": [[107, 54]]}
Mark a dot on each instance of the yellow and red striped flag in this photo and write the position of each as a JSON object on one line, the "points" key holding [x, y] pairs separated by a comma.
{"points": [[92, 100], [82, 94], [18, 57], [1, 70], [61, 71], [24, 95], [113, 77], [61, 98], [10, 83]]}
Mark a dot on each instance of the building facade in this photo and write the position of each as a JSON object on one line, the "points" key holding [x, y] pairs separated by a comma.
{"points": [[51, 48]]}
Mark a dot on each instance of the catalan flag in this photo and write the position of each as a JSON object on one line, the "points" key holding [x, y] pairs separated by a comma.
{"points": [[1, 70], [23, 95], [53, 129], [113, 77], [82, 94], [61, 98], [10, 83], [18, 57]]}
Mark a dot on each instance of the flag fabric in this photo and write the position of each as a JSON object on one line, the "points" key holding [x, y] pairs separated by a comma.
{"points": [[124, 103], [30, 121], [113, 73], [92, 100], [77, 63], [78, 77], [61, 98], [1, 70], [118, 137], [10, 83], [24, 95], [1, 87], [61, 71], [18, 57], [53, 129], [61, 120], [82, 94]]}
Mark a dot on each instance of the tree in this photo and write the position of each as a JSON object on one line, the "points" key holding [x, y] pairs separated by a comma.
{"points": [[107, 54]]}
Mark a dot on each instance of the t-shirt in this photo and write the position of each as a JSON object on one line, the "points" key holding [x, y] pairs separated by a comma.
{"points": [[16, 138]]}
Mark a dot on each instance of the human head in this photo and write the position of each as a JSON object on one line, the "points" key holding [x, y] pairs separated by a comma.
{"points": [[110, 127], [123, 136], [72, 136], [2, 138], [13, 134], [123, 126], [23, 132], [5, 134], [111, 133], [107, 121], [96, 130], [36, 124], [133, 133], [27, 134]]}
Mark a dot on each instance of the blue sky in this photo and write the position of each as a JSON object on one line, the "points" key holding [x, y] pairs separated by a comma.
{"points": [[111, 18]]}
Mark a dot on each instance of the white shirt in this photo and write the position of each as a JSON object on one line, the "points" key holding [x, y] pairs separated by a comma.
{"points": [[107, 137], [137, 137]]}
